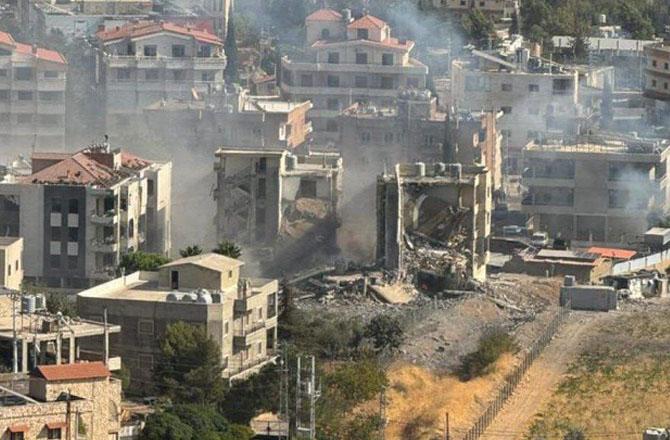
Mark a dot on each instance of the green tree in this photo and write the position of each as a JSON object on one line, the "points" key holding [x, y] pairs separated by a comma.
{"points": [[385, 331], [166, 426], [208, 423], [479, 27], [231, 73], [246, 398], [190, 367], [491, 346], [229, 249], [356, 382], [59, 302], [190, 251], [143, 261], [574, 434]]}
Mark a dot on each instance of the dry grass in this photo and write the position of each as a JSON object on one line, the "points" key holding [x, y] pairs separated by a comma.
{"points": [[419, 399], [619, 385]]}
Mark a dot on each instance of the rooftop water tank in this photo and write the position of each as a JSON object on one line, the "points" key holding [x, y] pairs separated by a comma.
{"points": [[28, 304], [189, 297], [174, 296]]}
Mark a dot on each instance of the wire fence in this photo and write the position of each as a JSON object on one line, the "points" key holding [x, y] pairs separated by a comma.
{"points": [[512, 380]]}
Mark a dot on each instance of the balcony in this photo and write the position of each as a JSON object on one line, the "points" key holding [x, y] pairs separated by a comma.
{"points": [[106, 219], [340, 91], [108, 245], [395, 69], [51, 85]]}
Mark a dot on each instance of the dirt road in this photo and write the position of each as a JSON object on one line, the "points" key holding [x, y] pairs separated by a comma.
{"points": [[544, 375]]}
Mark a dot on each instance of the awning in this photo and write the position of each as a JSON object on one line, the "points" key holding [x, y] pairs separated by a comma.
{"points": [[18, 428], [56, 425]]}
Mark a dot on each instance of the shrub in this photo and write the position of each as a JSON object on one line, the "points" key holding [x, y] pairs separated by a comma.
{"points": [[385, 332], [491, 346]]}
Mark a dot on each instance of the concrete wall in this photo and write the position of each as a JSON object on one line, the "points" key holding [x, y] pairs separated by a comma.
{"points": [[192, 276], [11, 265], [595, 298]]}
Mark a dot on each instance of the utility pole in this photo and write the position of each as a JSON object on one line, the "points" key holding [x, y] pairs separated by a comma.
{"points": [[314, 395], [283, 397], [15, 343], [104, 315], [298, 396]]}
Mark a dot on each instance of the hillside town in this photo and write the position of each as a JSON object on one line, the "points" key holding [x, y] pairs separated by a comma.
{"points": [[334, 219]]}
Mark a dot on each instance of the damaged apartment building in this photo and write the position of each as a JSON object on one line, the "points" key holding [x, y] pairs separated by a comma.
{"points": [[414, 130], [601, 190], [80, 212], [230, 116], [279, 200], [435, 219]]}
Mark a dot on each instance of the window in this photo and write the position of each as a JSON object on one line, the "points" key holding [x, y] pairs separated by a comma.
{"points": [[205, 51], [325, 34], [665, 86], [653, 83], [150, 187], [73, 206], [333, 104], [131, 228], [230, 274], [56, 234], [145, 326], [362, 34], [4, 95], [23, 73], [122, 74], [54, 261], [388, 138], [365, 137], [72, 235], [25, 95], [306, 80], [54, 433], [51, 96], [260, 313], [387, 82], [413, 83], [262, 165], [24, 118], [3, 73], [361, 58], [72, 262], [307, 188], [331, 125], [178, 75], [333, 81], [151, 74], [506, 87], [667, 66], [150, 50], [146, 362], [178, 50], [533, 88], [208, 76], [562, 86], [333, 57], [506, 109], [51, 74], [225, 328], [387, 59], [654, 63], [361, 82], [261, 188], [16, 436]]}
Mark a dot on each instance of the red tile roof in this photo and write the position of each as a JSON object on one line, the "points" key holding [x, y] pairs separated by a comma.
{"points": [[84, 168], [324, 15], [26, 49], [80, 371], [367, 22], [135, 30], [623, 254]]}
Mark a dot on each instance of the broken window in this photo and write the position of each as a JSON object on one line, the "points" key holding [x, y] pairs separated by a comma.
{"points": [[307, 188]]}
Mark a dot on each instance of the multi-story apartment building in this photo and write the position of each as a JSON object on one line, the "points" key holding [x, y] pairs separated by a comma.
{"points": [[497, 9], [11, 262], [536, 98], [448, 203], [414, 130], [597, 191], [231, 117], [142, 63], [657, 80], [239, 314], [78, 213], [266, 194], [62, 401], [32, 97], [347, 61]]}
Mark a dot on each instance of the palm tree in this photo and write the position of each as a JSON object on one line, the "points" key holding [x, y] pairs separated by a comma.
{"points": [[190, 251], [229, 249]]}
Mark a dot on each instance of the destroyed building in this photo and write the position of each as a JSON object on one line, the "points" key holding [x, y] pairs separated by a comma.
{"points": [[230, 116], [600, 191], [277, 199], [239, 314], [435, 218]]}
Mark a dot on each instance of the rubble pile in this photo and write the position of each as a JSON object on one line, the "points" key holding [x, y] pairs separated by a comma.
{"points": [[302, 215]]}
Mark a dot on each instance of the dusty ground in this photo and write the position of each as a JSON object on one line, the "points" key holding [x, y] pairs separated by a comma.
{"points": [[545, 374], [619, 383]]}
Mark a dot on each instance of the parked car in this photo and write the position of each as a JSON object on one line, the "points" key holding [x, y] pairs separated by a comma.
{"points": [[539, 239]]}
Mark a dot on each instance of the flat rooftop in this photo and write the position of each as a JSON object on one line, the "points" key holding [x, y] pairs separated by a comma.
{"points": [[593, 148], [44, 326]]}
